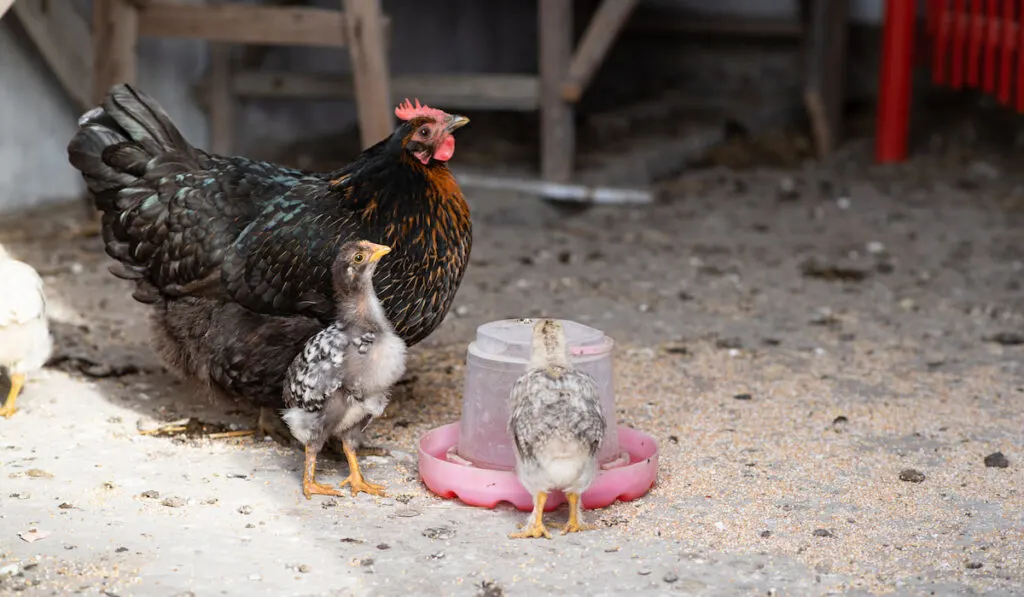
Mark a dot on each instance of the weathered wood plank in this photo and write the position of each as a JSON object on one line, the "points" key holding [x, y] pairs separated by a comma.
{"points": [[60, 34], [115, 36], [221, 100], [239, 23], [556, 116], [469, 91], [825, 70], [370, 72], [598, 38]]}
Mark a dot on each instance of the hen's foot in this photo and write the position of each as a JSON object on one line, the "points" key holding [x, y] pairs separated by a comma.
{"points": [[7, 410], [269, 423]]}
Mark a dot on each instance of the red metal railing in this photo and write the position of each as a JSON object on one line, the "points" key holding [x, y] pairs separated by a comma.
{"points": [[974, 45]]}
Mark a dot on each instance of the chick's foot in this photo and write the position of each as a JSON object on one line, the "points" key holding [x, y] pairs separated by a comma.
{"points": [[535, 529], [355, 478], [576, 524], [7, 410]]}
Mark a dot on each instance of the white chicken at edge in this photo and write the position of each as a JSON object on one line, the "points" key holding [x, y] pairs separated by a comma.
{"points": [[25, 341]]}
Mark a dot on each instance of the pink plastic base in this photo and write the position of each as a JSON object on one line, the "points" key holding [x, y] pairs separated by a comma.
{"points": [[487, 487]]}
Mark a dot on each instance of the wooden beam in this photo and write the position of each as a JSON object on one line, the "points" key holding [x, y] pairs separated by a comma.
{"points": [[601, 32], [370, 73], [221, 100], [825, 70], [60, 34], [239, 23], [556, 116], [469, 91], [115, 36]]}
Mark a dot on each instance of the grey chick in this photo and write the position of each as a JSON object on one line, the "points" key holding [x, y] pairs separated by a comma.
{"points": [[340, 380], [25, 342], [557, 425]]}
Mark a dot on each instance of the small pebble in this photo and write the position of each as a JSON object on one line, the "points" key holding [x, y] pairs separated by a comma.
{"points": [[304, 569], [670, 578], [766, 534], [823, 533], [151, 494], [65, 506], [121, 550], [246, 510], [10, 570], [439, 533], [1008, 338], [743, 397], [974, 565], [911, 475], [173, 502], [643, 571], [996, 460], [36, 473], [383, 546]]}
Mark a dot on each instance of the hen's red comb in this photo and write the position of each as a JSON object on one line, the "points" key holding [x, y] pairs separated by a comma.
{"points": [[407, 111]]}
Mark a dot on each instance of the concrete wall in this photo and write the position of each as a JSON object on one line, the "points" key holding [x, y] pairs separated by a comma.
{"points": [[36, 120]]}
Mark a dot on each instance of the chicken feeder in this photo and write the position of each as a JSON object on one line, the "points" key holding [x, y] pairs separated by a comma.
{"points": [[474, 459]]}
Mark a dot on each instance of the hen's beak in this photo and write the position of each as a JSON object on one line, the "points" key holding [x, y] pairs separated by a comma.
{"points": [[378, 252], [456, 121]]}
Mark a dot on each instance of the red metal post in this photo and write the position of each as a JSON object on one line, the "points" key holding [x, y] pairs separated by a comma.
{"points": [[894, 86]]}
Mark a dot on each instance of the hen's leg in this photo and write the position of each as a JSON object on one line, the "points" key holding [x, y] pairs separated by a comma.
{"points": [[7, 410], [309, 484], [355, 476], [268, 423], [576, 524], [535, 528]]}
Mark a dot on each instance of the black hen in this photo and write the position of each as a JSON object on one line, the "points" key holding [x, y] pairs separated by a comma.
{"points": [[235, 255]]}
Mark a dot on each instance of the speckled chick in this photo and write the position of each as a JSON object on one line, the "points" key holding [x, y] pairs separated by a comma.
{"points": [[25, 342], [557, 425], [341, 379]]}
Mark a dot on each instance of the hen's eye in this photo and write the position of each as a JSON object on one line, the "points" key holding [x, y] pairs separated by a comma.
{"points": [[425, 132], [358, 258]]}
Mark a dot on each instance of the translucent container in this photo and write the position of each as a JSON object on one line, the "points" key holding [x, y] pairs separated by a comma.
{"points": [[495, 361]]}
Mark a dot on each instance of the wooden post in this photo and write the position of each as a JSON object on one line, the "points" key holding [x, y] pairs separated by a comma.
{"points": [[371, 76], [115, 35], [601, 32], [825, 55], [556, 116], [221, 101]]}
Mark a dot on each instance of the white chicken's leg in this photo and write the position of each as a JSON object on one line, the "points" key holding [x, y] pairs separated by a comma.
{"points": [[7, 410], [535, 529]]}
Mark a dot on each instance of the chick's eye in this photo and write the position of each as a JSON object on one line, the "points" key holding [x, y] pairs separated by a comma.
{"points": [[424, 132], [358, 258]]}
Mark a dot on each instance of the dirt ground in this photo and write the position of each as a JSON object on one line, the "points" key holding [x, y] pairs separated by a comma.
{"points": [[794, 339]]}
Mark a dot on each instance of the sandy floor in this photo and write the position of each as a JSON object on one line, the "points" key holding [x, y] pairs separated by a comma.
{"points": [[794, 341]]}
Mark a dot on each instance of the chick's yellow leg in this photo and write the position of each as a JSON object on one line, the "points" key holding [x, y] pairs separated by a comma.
{"points": [[355, 476], [576, 524], [309, 484], [7, 410], [535, 529]]}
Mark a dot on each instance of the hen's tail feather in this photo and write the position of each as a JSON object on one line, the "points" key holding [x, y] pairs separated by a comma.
{"points": [[116, 143]]}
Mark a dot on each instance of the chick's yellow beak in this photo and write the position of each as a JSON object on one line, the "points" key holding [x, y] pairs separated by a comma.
{"points": [[378, 252]]}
